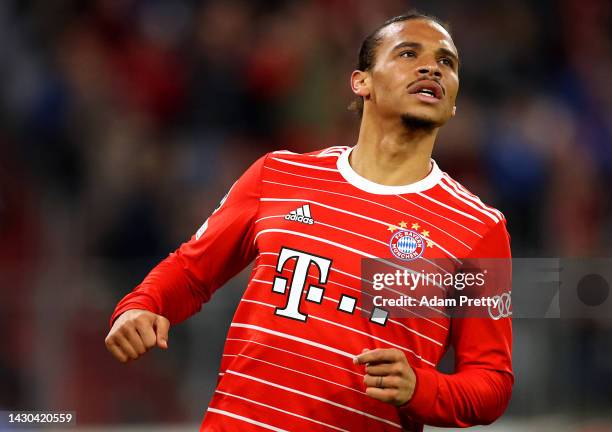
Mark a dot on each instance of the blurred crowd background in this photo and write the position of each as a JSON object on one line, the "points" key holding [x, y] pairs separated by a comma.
{"points": [[123, 122]]}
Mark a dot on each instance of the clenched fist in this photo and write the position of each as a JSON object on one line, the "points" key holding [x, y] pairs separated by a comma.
{"points": [[135, 332], [389, 378]]}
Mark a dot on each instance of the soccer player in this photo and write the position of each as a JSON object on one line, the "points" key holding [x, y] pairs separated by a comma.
{"points": [[302, 354]]}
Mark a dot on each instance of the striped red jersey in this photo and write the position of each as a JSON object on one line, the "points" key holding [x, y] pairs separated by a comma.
{"points": [[308, 220]]}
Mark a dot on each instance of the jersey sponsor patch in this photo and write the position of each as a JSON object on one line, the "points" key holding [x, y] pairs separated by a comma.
{"points": [[301, 214]]}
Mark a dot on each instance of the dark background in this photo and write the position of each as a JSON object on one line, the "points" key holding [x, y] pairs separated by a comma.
{"points": [[123, 122]]}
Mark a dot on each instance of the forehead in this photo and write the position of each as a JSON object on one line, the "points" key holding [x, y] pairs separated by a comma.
{"points": [[426, 32]]}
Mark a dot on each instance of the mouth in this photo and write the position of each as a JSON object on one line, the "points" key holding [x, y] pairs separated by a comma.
{"points": [[427, 90]]}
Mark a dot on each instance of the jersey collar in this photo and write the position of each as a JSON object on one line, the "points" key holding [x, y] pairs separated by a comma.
{"points": [[434, 176]]}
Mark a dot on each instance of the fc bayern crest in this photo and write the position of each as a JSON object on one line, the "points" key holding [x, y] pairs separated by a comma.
{"points": [[407, 245]]}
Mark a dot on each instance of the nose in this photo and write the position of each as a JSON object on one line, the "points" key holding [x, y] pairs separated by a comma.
{"points": [[430, 70]]}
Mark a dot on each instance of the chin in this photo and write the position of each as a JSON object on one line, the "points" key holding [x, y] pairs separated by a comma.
{"points": [[420, 121]]}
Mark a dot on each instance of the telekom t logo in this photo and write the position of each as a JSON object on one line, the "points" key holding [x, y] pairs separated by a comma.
{"points": [[298, 281]]}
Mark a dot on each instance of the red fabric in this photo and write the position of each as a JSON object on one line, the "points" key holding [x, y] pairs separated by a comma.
{"points": [[480, 389], [284, 372], [177, 287]]}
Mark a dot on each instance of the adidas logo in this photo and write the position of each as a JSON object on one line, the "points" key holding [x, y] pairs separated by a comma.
{"points": [[301, 214]]}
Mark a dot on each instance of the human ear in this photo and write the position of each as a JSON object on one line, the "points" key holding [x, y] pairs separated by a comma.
{"points": [[360, 83]]}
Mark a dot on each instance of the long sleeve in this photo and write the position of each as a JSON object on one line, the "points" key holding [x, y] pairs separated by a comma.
{"points": [[480, 389], [177, 286]]}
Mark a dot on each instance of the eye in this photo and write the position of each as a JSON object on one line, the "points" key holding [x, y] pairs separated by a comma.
{"points": [[408, 54], [447, 62]]}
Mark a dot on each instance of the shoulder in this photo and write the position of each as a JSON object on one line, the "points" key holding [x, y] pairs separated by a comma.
{"points": [[325, 153], [488, 222], [459, 196], [323, 159]]}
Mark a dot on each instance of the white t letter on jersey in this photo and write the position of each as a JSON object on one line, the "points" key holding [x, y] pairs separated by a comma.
{"points": [[298, 281]]}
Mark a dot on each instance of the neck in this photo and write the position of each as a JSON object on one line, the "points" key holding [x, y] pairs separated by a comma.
{"points": [[393, 154]]}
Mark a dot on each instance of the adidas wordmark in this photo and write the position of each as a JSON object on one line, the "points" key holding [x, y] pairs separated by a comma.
{"points": [[301, 214]]}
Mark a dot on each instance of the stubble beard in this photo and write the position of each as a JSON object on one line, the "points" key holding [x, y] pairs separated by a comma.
{"points": [[418, 124]]}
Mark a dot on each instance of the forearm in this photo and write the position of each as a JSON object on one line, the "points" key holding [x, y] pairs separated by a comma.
{"points": [[168, 290], [467, 398]]}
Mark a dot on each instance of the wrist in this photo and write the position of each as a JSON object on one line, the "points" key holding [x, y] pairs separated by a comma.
{"points": [[424, 394]]}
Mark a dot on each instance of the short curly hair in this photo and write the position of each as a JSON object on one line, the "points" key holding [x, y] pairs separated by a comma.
{"points": [[367, 52]]}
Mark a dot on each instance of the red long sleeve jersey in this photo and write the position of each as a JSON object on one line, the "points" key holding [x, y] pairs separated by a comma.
{"points": [[308, 220]]}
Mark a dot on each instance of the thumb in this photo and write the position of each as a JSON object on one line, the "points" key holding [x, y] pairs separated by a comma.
{"points": [[162, 326], [356, 359]]}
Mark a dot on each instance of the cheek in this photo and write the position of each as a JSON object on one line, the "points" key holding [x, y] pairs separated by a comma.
{"points": [[453, 89], [388, 81]]}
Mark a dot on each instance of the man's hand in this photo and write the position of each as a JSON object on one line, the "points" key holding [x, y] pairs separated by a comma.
{"points": [[389, 378], [135, 332]]}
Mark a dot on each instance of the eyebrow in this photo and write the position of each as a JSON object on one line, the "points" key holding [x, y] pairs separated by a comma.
{"points": [[417, 45]]}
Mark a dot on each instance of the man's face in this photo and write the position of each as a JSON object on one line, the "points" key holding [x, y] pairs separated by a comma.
{"points": [[415, 72]]}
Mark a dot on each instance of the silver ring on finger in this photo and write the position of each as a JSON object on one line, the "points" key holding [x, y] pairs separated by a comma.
{"points": [[379, 383]]}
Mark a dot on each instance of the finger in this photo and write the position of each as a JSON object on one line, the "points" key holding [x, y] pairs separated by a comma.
{"points": [[147, 334], [355, 361], [126, 347], [162, 326], [376, 382], [378, 356], [381, 369], [387, 395], [134, 339], [117, 352]]}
